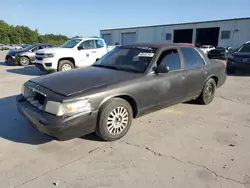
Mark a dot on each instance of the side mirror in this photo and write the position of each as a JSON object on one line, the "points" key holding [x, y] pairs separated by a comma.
{"points": [[80, 47], [162, 69]]}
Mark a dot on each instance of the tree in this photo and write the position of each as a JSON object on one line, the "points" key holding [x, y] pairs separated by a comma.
{"points": [[24, 35]]}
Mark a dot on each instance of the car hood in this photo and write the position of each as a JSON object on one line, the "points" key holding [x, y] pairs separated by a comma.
{"points": [[54, 50], [241, 54], [11, 52], [77, 81]]}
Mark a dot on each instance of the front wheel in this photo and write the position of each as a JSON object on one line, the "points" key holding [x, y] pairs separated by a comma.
{"points": [[114, 119], [208, 92], [24, 61], [65, 65]]}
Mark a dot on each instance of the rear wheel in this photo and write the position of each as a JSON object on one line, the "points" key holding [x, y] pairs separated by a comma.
{"points": [[24, 61], [114, 120], [208, 92], [65, 65]]}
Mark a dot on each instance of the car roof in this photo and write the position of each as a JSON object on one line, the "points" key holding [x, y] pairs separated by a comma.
{"points": [[158, 44], [42, 44]]}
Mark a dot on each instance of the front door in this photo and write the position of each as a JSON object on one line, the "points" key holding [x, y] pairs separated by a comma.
{"points": [[196, 71], [168, 88], [87, 56]]}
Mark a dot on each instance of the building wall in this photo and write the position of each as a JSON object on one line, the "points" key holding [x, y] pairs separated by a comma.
{"points": [[239, 32]]}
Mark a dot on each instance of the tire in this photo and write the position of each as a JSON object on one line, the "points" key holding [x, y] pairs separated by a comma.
{"points": [[105, 113], [24, 61], [65, 65], [230, 70], [206, 98]]}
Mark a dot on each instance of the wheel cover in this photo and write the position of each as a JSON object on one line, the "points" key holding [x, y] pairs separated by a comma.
{"points": [[209, 90], [117, 120], [66, 67], [24, 61]]}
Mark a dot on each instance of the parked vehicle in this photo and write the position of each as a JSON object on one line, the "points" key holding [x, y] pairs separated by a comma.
{"points": [[206, 48], [125, 83], [239, 59], [77, 52], [25, 56], [218, 53]]}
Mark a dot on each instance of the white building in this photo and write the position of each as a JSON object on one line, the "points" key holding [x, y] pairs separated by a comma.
{"points": [[230, 32]]}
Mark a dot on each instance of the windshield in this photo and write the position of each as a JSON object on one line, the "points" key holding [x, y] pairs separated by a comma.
{"points": [[29, 47], [71, 43], [129, 59], [245, 48]]}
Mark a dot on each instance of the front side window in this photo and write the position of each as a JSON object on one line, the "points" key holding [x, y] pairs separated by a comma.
{"points": [[129, 59], [171, 59], [37, 48], [71, 43], [192, 57], [88, 44]]}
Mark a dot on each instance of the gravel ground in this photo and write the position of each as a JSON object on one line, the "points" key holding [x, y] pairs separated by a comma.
{"points": [[186, 145]]}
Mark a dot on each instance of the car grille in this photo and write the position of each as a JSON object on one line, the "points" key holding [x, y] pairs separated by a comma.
{"points": [[35, 98], [41, 54], [39, 58]]}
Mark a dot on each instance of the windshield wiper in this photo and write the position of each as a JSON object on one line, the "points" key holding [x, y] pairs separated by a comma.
{"points": [[108, 67]]}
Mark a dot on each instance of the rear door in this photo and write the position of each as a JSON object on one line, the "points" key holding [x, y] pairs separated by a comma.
{"points": [[196, 71], [101, 48]]}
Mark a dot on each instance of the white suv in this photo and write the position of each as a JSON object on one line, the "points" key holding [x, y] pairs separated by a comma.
{"points": [[77, 52]]}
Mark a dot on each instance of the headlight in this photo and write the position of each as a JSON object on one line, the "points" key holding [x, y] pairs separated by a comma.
{"points": [[230, 56], [49, 55], [59, 109], [23, 90]]}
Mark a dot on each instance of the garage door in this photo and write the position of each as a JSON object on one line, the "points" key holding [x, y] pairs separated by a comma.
{"points": [[128, 38], [107, 38]]}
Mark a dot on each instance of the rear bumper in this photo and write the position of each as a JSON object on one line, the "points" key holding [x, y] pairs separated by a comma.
{"points": [[222, 80], [60, 128]]}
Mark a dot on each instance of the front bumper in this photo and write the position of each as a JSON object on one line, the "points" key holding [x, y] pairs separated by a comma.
{"points": [[238, 65], [46, 64], [60, 128], [11, 60]]}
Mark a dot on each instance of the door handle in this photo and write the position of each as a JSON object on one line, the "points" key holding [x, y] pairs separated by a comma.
{"points": [[93, 51]]}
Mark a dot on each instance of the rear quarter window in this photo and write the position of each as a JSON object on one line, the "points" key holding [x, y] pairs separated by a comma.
{"points": [[192, 57]]}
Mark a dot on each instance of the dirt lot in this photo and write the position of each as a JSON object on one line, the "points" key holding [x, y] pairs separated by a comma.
{"points": [[186, 145]]}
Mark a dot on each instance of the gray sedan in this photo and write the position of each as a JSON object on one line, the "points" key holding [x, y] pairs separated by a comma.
{"points": [[125, 83], [25, 56]]}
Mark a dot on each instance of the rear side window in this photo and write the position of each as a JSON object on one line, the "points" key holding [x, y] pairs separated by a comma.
{"points": [[99, 43], [192, 57]]}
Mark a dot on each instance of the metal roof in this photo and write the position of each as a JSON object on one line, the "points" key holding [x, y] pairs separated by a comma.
{"points": [[199, 22]]}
